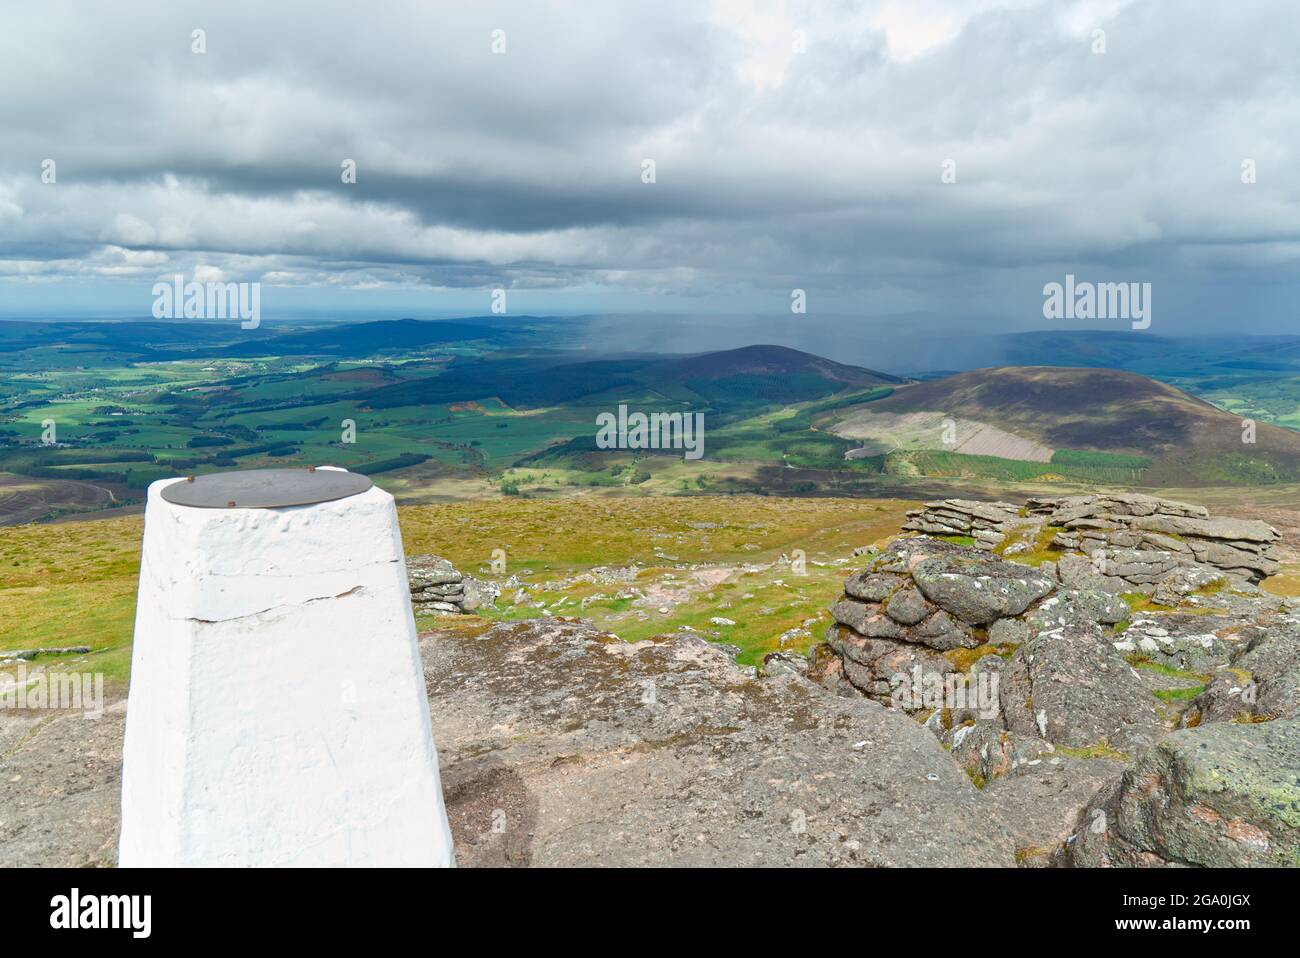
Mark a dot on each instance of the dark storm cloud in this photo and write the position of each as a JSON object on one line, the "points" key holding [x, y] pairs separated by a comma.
{"points": [[775, 168]]}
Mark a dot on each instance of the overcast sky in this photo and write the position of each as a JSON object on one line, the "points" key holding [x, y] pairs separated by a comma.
{"points": [[775, 168]]}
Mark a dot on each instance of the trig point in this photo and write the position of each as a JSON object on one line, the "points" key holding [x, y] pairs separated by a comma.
{"points": [[277, 711]]}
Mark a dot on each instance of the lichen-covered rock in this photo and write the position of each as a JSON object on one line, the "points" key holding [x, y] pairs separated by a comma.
{"points": [[477, 594], [1183, 641], [780, 663], [1138, 566], [941, 631], [865, 618], [1278, 695], [1221, 795], [1246, 530], [886, 601], [425, 571], [1092, 680], [1062, 509], [1261, 681], [982, 748], [903, 555], [1189, 581], [1229, 696], [908, 607], [1244, 563], [872, 586], [1038, 801], [1070, 687], [962, 517], [1010, 632], [1077, 607], [1082, 572], [979, 589], [988, 751], [877, 666]]}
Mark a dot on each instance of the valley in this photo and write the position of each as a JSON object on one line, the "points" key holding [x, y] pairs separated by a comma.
{"points": [[91, 413]]}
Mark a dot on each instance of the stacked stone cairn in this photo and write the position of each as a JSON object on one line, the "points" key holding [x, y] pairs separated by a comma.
{"points": [[436, 587]]}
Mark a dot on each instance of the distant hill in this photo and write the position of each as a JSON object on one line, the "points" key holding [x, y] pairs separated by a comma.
{"points": [[128, 338], [1091, 348], [179, 339], [733, 379], [362, 339], [772, 361], [764, 375], [1106, 410], [1178, 359]]}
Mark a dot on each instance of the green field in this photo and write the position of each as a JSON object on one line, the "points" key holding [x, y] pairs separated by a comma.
{"points": [[695, 558], [1067, 465], [437, 410], [75, 583]]}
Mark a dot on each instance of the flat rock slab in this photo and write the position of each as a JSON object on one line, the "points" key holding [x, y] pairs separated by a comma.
{"points": [[1245, 548], [1245, 530], [563, 745]]}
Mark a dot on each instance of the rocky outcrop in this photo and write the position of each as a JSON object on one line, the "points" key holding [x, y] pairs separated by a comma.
{"points": [[925, 603], [436, 587], [1134, 537], [987, 522], [981, 712], [1045, 672], [1071, 688], [1222, 795], [564, 745], [977, 590], [1260, 682]]}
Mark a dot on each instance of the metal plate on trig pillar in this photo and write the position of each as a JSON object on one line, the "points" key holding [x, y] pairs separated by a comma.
{"points": [[265, 488]]}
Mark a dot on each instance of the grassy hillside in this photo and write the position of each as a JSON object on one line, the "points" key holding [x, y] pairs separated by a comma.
{"points": [[74, 583], [697, 558], [1082, 410]]}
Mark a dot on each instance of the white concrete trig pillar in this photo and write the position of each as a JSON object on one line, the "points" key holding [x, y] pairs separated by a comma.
{"points": [[277, 713]]}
